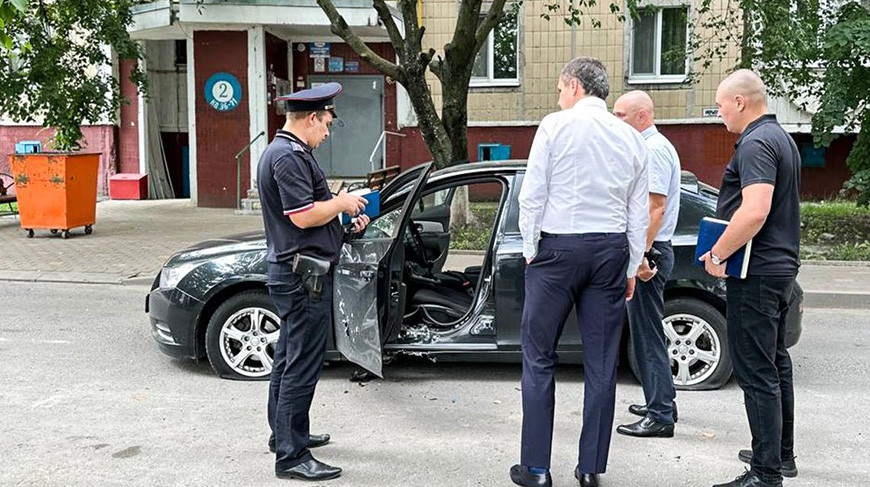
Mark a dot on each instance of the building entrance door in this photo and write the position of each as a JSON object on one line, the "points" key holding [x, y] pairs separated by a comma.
{"points": [[360, 110]]}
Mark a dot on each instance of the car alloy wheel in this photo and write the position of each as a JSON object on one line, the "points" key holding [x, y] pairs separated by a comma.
{"points": [[247, 341], [694, 348]]}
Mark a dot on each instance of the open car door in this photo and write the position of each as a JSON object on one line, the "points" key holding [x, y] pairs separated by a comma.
{"points": [[368, 292]]}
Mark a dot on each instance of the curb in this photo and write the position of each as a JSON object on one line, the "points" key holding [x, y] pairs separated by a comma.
{"points": [[838, 300], [62, 277], [836, 263]]}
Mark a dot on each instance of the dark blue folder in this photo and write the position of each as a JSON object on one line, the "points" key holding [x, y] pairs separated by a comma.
{"points": [[372, 209], [709, 232]]}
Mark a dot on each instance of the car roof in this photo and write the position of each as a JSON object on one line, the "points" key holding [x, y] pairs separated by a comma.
{"points": [[688, 181]]}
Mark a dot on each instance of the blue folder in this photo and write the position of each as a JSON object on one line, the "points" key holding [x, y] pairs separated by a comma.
{"points": [[372, 209], [709, 232]]}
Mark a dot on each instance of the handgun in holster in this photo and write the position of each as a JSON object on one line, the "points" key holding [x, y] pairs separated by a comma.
{"points": [[312, 271]]}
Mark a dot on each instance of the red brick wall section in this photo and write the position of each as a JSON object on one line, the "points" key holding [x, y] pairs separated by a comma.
{"points": [[98, 138], [303, 65], [704, 149], [128, 125], [826, 182], [220, 135]]}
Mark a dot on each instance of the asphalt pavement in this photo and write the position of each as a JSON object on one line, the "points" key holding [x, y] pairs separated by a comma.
{"points": [[89, 400]]}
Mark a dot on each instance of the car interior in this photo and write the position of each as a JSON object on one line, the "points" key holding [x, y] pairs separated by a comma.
{"points": [[446, 247]]}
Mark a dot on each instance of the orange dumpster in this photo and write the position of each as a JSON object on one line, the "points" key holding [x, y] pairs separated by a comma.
{"points": [[56, 191]]}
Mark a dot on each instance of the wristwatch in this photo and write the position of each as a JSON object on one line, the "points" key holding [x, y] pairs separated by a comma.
{"points": [[715, 259]]}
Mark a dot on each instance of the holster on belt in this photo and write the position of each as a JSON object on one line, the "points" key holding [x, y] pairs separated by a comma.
{"points": [[312, 271]]}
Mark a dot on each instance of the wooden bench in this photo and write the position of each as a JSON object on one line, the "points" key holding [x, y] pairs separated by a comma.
{"points": [[7, 199]]}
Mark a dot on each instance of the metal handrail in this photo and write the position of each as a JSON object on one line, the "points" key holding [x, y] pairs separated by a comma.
{"points": [[383, 139], [239, 168]]}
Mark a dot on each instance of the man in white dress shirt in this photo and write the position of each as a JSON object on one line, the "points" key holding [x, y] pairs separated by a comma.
{"points": [[583, 218], [646, 310]]}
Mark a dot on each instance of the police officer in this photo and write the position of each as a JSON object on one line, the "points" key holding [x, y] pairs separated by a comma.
{"points": [[303, 235]]}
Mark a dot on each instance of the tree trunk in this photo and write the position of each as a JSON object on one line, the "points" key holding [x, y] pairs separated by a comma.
{"points": [[454, 115], [437, 139]]}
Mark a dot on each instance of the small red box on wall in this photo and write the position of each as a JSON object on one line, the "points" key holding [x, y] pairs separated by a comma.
{"points": [[131, 186]]}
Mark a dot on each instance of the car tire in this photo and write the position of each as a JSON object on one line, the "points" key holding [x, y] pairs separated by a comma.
{"points": [[685, 315], [229, 336]]}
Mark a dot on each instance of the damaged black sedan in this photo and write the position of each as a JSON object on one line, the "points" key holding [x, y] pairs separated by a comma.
{"points": [[409, 285]]}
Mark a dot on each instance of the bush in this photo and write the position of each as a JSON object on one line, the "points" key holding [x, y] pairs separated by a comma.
{"points": [[475, 236], [835, 230], [836, 222]]}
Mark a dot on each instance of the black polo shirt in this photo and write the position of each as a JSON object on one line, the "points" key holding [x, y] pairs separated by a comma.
{"points": [[765, 153], [290, 181]]}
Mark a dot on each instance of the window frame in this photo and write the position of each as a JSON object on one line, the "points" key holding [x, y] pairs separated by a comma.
{"points": [[490, 81], [656, 77]]}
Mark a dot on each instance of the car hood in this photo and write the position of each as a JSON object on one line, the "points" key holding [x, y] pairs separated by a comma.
{"points": [[233, 244]]}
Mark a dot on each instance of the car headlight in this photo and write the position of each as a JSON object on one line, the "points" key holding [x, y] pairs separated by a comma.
{"points": [[171, 276]]}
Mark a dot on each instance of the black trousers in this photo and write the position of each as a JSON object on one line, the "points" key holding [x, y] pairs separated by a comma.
{"points": [[298, 362], [586, 271], [757, 309], [645, 313]]}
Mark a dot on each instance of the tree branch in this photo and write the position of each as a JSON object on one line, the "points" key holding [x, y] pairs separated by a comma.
{"points": [[466, 23], [390, 24], [412, 30], [341, 29], [492, 17]]}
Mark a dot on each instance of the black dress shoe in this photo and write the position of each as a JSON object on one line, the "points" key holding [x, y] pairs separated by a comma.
{"points": [[788, 469], [647, 428], [309, 470], [641, 410], [748, 479], [314, 441], [520, 475], [586, 479]]}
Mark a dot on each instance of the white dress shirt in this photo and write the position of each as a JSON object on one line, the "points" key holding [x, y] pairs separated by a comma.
{"points": [[587, 173], [664, 178]]}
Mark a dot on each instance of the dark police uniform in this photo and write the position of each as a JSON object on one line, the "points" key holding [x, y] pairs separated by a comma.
{"points": [[757, 306], [290, 181]]}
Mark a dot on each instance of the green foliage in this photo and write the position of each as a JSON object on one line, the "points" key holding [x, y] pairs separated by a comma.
{"points": [[836, 230], [52, 56], [475, 235], [834, 223]]}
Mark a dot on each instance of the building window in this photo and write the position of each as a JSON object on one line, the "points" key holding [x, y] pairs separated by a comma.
{"points": [[497, 61], [658, 45]]}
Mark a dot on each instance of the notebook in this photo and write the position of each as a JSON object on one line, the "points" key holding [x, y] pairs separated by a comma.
{"points": [[709, 231], [372, 209]]}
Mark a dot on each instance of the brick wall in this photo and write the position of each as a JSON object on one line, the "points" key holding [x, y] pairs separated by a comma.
{"points": [[704, 149], [128, 125], [220, 135], [97, 138]]}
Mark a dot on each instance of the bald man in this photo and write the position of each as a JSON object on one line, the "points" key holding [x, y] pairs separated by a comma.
{"points": [[646, 310], [760, 198]]}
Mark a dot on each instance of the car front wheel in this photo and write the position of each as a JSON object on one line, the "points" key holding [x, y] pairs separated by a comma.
{"points": [[241, 336], [697, 345]]}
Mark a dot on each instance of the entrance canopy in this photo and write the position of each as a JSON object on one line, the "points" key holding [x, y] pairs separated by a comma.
{"points": [[166, 19]]}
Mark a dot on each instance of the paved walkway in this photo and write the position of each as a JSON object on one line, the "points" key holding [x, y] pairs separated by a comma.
{"points": [[132, 240]]}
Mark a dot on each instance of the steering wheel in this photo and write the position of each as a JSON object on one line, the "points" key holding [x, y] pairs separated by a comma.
{"points": [[417, 245]]}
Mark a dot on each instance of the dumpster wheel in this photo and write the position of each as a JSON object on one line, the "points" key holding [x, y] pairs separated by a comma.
{"points": [[54, 231], [89, 229], [29, 233], [65, 234]]}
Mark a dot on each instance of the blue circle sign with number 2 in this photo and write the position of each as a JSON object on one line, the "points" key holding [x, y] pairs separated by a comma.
{"points": [[223, 92]]}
